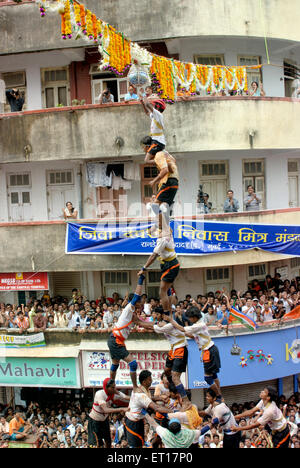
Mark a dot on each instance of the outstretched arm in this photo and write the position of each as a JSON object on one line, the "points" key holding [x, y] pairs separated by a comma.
{"points": [[149, 262], [148, 107]]}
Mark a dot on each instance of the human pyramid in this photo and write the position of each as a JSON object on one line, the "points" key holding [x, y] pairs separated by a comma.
{"points": [[178, 422]]}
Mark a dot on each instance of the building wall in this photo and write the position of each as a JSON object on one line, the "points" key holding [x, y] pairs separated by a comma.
{"points": [[143, 21], [39, 189]]}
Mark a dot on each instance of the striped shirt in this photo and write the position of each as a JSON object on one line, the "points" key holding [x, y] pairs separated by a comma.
{"points": [[97, 413]]}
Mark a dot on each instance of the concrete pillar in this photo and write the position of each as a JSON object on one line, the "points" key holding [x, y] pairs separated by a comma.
{"points": [[276, 181]]}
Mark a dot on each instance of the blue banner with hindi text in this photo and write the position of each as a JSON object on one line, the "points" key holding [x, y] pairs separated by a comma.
{"points": [[192, 237]]}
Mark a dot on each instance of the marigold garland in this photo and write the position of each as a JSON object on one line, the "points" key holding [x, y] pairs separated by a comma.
{"points": [[118, 53]]}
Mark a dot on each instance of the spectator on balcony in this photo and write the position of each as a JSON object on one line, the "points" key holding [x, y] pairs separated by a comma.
{"points": [[131, 95], [72, 316], [2, 94], [15, 100], [51, 323], [182, 94], [40, 321], [108, 317], [83, 321], [252, 201], [204, 206], [231, 205], [149, 93], [11, 320], [70, 212], [279, 310], [106, 97], [22, 322], [256, 89], [210, 318], [268, 312], [3, 319], [60, 318]]}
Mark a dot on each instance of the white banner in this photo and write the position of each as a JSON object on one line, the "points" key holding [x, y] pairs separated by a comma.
{"points": [[96, 366], [22, 341]]}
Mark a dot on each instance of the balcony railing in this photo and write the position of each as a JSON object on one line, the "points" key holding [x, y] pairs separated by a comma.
{"points": [[200, 124], [41, 247]]}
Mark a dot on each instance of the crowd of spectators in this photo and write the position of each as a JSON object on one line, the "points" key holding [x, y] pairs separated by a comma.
{"points": [[264, 301], [65, 425]]}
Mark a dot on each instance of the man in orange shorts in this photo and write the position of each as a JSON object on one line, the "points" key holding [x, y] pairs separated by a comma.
{"points": [[167, 179], [177, 358]]}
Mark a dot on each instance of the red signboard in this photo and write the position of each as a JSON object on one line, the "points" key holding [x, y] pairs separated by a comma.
{"points": [[23, 281]]}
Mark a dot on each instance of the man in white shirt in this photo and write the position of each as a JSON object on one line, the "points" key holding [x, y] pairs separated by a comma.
{"points": [[72, 317], [120, 333], [271, 415], [140, 402], [267, 312], [73, 427], [177, 358], [98, 421], [209, 351], [154, 110], [221, 415], [248, 308]]}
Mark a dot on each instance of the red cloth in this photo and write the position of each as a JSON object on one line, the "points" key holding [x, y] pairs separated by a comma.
{"points": [[109, 397]]}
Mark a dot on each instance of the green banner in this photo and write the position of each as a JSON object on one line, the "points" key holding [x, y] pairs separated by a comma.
{"points": [[39, 372]]}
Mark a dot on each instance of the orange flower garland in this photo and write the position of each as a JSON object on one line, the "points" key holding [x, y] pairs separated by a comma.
{"points": [[66, 26], [161, 68], [118, 51]]}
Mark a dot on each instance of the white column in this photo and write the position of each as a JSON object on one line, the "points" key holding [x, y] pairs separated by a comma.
{"points": [[276, 181], [34, 87]]}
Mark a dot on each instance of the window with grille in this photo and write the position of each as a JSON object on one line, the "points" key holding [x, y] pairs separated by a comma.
{"points": [[60, 177], [257, 271], [59, 74], [295, 262], [19, 180], [55, 87], [253, 167], [293, 166], [209, 59], [252, 74], [213, 169], [254, 174], [116, 277], [147, 173], [150, 172], [14, 79], [217, 274], [153, 283]]}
